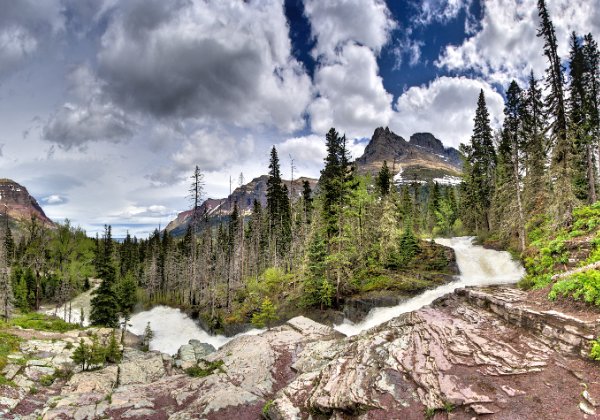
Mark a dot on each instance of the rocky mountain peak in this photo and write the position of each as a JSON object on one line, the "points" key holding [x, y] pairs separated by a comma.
{"points": [[422, 159], [20, 206], [427, 141]]}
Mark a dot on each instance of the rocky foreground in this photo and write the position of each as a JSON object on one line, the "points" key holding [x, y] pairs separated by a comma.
{"points": [[477, 352]]}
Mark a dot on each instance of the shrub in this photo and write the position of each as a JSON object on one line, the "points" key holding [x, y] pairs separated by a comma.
{"points": [[595, 350], [41, 322], [580, 286]]}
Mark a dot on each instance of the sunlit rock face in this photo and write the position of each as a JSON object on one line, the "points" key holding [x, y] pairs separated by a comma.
{"points": [[20, 206]]}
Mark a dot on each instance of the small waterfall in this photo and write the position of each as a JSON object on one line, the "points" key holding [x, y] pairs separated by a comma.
{"points": [[478, 267], [173, 328]]}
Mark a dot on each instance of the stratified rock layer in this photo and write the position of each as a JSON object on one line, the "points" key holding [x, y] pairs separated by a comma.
{"points": [[476, 352]]}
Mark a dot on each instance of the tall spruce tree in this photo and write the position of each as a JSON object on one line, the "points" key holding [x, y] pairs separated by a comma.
{"points": [[535, 146], [105, 305], [278, 208], [580, 128], [508, 204], [479, 170], [564, 199]]}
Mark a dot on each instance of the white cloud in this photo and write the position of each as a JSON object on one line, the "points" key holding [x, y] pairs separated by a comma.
{"points": [[336, 22], [440, 10], [446, 108], [225, 61], [507, 47], [211, 150], [75, 125], [16, 43], [53, 199], [351, 95]]}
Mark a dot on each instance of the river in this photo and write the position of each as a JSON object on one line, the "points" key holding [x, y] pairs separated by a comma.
{"points": [[478, 267]]}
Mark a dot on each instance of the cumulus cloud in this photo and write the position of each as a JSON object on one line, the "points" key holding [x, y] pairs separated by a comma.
{"points": [[506, 46], [446, 108], [74, 125], [352, 95], [94, 118], [349, 35], [216, 60], [336, 22], [211, 150]]}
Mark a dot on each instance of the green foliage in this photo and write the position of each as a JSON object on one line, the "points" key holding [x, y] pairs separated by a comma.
{"points": [[266, 408], [8, 344], [113, 352], [207, 368], [581, 286], [147, 337], [595, 349], [42, 322], [266, 315], [47, 380], [81, 355]]}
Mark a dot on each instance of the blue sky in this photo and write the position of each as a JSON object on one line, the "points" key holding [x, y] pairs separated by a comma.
{"points": [[107, 105]]}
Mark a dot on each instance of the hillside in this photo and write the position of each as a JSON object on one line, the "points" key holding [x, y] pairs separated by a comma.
{"points": [[244, 196], [421, 159], [19, 204]]}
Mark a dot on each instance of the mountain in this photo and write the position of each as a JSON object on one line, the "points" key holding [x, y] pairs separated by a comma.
{"points": [[19, 204], [422, 159], [244, 196]]}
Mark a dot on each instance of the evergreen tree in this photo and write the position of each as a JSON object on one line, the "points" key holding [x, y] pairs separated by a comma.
{"points": [[533, 125], [307, 200], [584, 179], [384, 179], [555, 106], [105, 303], [479, 170], [278, 208]]}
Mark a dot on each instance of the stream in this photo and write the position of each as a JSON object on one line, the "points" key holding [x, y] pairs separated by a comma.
{"points": [[477, 266]]}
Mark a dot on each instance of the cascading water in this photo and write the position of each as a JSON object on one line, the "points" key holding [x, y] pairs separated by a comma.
{"points": [[172, 329], [478, 267]]}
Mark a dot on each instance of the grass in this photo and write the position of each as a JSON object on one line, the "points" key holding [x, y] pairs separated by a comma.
{"points": [[8, 344], [208, 369], [42, 322]]}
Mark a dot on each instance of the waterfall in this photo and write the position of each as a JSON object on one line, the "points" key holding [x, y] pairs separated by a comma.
{"points": [[478, 267]]}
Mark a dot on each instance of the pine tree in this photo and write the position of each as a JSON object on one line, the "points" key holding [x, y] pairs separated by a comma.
{"points": [[278, 208], [479, 170], [384, 179], [555, 106], [592, 87], [105, 303], [533, 123], [508, 198], [584, 179], [307, 201]]}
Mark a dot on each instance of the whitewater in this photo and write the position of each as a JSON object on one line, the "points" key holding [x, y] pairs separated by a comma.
{"points": [[477, 266]]}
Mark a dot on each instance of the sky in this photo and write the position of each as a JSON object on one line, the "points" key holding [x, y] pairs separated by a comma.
{"points": [[106, 106]]}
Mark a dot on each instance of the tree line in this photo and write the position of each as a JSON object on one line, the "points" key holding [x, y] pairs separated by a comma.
{"points": [[544, 160]]}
